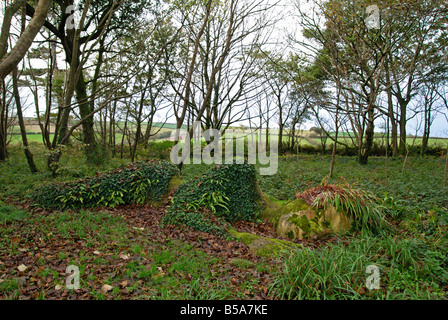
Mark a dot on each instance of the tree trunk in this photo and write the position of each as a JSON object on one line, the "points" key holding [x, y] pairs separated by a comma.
{"points": [[8, 64], [391, 113], [446, 170], [402, 146], [426, 130], [28, 154], [333, 154], [10, 10], [369, 136], [336, 124], [124, 134], [112, 136], [138, 132], [393, 124], [3, 123], [394, 136], [88, 129], [280, 136]]}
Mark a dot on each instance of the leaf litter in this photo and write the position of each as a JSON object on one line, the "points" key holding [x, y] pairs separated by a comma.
{"points": [[43, 260]]}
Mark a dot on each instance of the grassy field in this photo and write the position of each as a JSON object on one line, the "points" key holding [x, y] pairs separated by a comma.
{"points": [[124, 253], [307, 138]]}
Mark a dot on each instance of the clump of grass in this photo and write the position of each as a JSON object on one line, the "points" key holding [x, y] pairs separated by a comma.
{"points": [[329, 273], [8, 288], [9, 214], [362, 206], [408, 269]]}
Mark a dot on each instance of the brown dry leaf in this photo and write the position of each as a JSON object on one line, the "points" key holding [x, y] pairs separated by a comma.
{"points": [[124, 256], [96, 253], [106, 288], [22, 267], [124, 284], [58, 287], [160, 271]]}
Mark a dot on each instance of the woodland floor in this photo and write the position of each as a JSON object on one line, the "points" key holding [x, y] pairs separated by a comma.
{"points": [[128, 250]]}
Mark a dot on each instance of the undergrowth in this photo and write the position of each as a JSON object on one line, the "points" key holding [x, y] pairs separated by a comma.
{"points": [[135, 183], [222, 194], [408, 269]]}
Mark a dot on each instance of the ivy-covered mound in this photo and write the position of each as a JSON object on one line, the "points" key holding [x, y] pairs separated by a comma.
{"points": [[138, 182], [222, 194]]}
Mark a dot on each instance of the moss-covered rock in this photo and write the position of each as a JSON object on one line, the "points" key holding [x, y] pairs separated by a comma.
{"points": [[294, 206], [300, 221], [262, 246], [273, 208]]}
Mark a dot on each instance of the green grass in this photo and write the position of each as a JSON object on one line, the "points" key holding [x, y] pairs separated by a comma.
{"points": [[408, 269], [17, 182], [9, 214], [412, 258], [17, 139], [418, 184]]}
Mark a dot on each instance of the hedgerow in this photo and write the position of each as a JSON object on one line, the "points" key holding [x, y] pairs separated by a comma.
{"points": [[222, 194], [138, 182]]}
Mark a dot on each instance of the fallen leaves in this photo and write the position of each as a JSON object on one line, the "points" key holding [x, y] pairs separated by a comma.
{"points": [[22, 268], [106, 288], [110, 262], [124, 256]]}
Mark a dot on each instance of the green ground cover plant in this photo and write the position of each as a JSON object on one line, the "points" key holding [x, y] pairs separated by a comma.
{"points": [[135, 183], [224, 193]]}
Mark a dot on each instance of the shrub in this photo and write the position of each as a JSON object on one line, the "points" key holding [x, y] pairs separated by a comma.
{"points": [[160, 149], [362, 206], [136, 183], [223, 193]]}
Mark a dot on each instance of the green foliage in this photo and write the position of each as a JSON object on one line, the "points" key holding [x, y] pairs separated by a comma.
{"points": [[338, 270], [223, 193], [136, 183], [392, 208], [95, 154], [10, 214], [417, 187], [160, 149], [362, 206]]}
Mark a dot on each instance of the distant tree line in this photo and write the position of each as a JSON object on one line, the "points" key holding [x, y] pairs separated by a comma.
{"points": [[105, 72]]}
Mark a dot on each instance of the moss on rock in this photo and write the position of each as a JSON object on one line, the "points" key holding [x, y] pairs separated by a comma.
{"points": [[262, 246], [274, 208], [295, 206]]}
